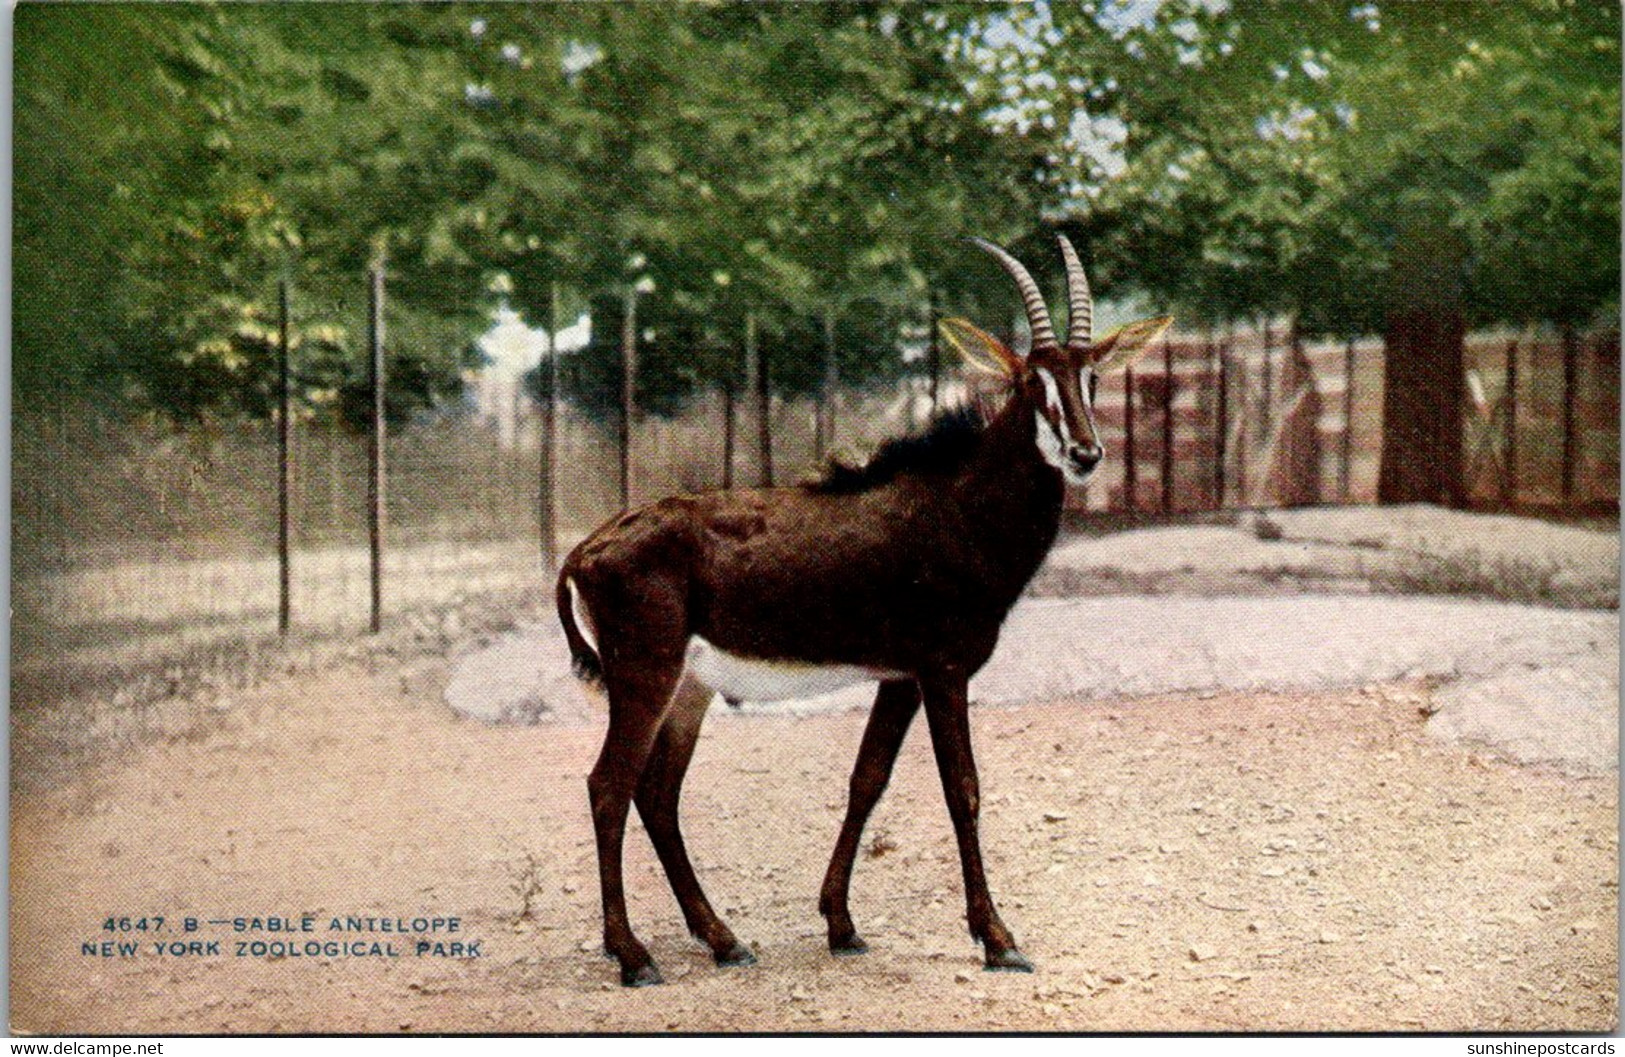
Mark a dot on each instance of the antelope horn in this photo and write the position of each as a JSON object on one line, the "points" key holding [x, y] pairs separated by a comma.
{"points": [[1037, 314], [1080, 303]]}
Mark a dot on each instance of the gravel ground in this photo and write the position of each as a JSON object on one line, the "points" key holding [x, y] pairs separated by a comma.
{"points": [[1229, 861], [1273, 797]]}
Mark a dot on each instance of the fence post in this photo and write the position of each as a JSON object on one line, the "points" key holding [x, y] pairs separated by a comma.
{"points": [[934, 348], [1347, 454], [755, 354], [629, 383], [1130, 470], [1509, 426], [1267, 382], [375, 445], [1221, 412], [1242, 429], [728, 433], [546, 486], [1571, 439], [1167, 469], [825, 438], [284, 471]]}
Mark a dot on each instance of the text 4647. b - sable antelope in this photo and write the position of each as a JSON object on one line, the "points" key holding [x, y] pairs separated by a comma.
{"points": [[901, 571]]}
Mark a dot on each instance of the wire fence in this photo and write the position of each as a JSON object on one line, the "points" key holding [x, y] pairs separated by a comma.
{"points": [[134, 540]]}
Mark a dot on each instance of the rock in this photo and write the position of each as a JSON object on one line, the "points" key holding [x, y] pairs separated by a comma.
{"points": [[1201, 952], [962, 977], [1055, 816], [1328, 936]]}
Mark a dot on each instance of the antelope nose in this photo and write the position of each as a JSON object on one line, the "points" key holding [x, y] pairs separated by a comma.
{"points": [[1085, 456]]}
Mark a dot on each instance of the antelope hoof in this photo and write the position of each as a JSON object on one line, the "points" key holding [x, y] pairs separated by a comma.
{"points": [[734, 957], [1009, 960], [643, 976], [849, 946]]}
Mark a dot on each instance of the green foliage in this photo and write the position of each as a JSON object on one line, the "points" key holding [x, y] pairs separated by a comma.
{"points": [[1279, 158], [174, 163]]}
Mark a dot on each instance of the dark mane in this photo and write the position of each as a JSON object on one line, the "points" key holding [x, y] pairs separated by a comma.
{"points": [[945, 444]]}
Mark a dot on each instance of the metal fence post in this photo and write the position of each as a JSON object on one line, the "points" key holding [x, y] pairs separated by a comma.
{"points": [[1130, 470], [375, 446], [1243, 421], [755, 354], [824, 438], [1266, 401], [1167, 470], [728, 434], [1509, 426], [1571, 438], [629, 383], [1347, 454], [934, 347], [284, 437], [546, 486], [1221, 419]]}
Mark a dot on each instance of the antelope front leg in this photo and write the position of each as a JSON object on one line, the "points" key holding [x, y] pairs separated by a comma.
{"points": [[894, 709], [947, 713]]}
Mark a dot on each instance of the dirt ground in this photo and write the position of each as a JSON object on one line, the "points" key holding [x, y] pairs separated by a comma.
{"points": [[1205, 862]]}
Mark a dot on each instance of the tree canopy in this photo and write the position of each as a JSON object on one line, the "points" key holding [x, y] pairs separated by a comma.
{"points": [[1237, 159], [1226, 158]]}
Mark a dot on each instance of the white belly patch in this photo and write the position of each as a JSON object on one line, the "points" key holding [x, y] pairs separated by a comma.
{"points": [[750, 679]]}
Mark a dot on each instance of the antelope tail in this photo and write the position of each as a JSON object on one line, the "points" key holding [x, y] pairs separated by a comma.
{"points": [[584, 659]]}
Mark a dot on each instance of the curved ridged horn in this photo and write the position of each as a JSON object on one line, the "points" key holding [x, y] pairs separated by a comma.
{"points": [[1037, 314], [1080, 303]]}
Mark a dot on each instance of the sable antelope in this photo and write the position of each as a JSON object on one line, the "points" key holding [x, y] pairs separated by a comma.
{"points": [[901, 571]]}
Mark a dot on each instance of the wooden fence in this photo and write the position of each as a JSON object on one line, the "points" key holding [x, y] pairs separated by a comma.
{"points": [[1256, 419]]}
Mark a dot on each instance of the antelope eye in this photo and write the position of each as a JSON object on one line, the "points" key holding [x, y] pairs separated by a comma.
{"points": [[1090, 380]]}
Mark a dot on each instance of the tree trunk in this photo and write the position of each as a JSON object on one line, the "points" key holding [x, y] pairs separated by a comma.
{"points": [[1423, 362]]}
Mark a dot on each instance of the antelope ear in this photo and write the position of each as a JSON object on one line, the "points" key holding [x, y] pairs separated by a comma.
{"points": [[980, 350], [1124, 345]]}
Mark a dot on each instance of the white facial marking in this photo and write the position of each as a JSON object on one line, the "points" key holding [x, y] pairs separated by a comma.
{"points": [[1049, 445], [1054, 439], [1052, 394], [754, 679]]}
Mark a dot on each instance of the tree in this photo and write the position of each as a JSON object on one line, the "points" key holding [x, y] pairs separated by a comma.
{"points": [[247, 145], [1406, 168]]}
